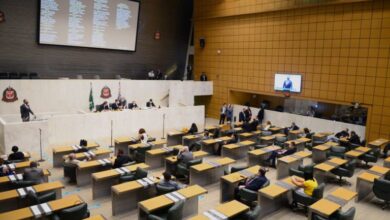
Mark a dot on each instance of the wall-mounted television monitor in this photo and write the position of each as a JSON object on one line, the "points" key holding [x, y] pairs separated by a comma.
{"points": [[107, 24], [288, 82]]}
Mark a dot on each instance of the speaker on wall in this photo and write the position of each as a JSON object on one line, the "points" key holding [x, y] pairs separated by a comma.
{"points": [[202, 42]]}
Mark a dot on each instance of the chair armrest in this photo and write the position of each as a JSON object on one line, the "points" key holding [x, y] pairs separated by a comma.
{"points": [[154, 217]]}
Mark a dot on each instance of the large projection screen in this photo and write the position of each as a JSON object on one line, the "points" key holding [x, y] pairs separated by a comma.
{"points": [[108, 24]]}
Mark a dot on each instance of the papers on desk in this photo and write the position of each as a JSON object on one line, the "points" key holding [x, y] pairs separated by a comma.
{"points": [[10, 166], [40, 210], [175, 196], [104, 162], [76, 147], [146, 182], [23, 191], [122, 170], [14, 178], [89, 154], [213, 214]]}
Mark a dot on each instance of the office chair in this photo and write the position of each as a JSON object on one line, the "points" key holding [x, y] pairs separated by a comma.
{"points": [[300, 198], [280, 140], [250, 215], [346, 170], [336, 151], [266, 133], [77, 212], [249, 197], [139, 155], [259, 146], [381, 189], [236, 168], [161, 190], [173, 213], [307, 168], [35, 198], [347, 215], [138, 174], [183, 169], [371, 156], [129, 163], [70, 172], [22, 184], [295, 172]]}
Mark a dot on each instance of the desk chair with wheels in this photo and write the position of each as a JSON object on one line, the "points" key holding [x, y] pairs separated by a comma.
{"points": [[249, 197], [371, 156], [78, 212], [173, 213], [347, 215], [138, 174], [336, 151], [300, 198], [139, 154], [35, 198], [381, 189], [183, 169], [250, 215], [346, 170]]}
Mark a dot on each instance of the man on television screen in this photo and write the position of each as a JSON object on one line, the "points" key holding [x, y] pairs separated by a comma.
{"points": [[287, 84]]}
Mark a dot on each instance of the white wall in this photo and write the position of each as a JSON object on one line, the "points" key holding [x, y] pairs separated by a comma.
{"points": [[69, 129], [284, 119], [69, 96]]}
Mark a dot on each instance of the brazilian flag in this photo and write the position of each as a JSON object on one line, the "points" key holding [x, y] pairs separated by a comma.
{"points": [[91, 103]]}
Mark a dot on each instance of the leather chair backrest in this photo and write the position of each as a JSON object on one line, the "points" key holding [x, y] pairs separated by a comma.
{"points": [[294, 172], [254, 214], [73, 213], [381, 189], [237, 168], [318, 192], [176, 211], [347, 215], [164, 189], [338, 149], [194, 162]]}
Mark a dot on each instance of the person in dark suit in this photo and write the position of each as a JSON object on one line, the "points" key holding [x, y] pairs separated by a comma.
{"points": [[33, 173], [103, 106], [293, 127], [252, 183], [248, 114], [343, 133], [260, 115], [203, 77], [25, 111], [307, 133], [16, 155], [241, 116], [354, 138], [121, 159], [133, 105], [150, 104], [115, 105], [193, 129]]}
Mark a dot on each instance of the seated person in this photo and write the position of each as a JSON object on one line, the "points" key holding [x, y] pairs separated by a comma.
{"points": [[83, 145], [267, 126], [16, 155], [307, 133], [33, 173], [292, 148], [115, 105], [150, 104], [241, 116], [307, 185], [104, 106], [133, 105], [142, 136], [343, 133], [354, 138], [253, 125], [197, 145], [193, 129], [71, 159], [4, 171], [168, 182], [185, 155], [122, 103], [253, 183], [293, 127], [121, 159]]}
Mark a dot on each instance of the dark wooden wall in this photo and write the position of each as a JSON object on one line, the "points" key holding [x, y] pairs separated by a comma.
{"points": [[20, 52]]}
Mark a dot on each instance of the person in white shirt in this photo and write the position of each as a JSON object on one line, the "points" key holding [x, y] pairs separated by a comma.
{"points": [[267, 126], [222, 114], [142, 136]]}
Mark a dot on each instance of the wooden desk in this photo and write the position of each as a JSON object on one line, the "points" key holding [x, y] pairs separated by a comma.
{"points": [[291, 161], [293, 135], [209, 172], [238, 150], [249, 135], [332, 202], [322, 170], [56, 205], [275, 196], [27, 156], [321, 136], [18, 167], [381, 142], [102, 181], [356, 153], [257, 157], [155, 158], [86, 168], [6, 183], [96, 217], [188, 140], [275, 130], [175, 137], [125, 196], [171, 161], [229, 182], [228, 210], [319, 153], [10, 200], [190, 193], [300, 143], [122, 143], [99, 154], [211, 144], [60, 151], [365, 181]]}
